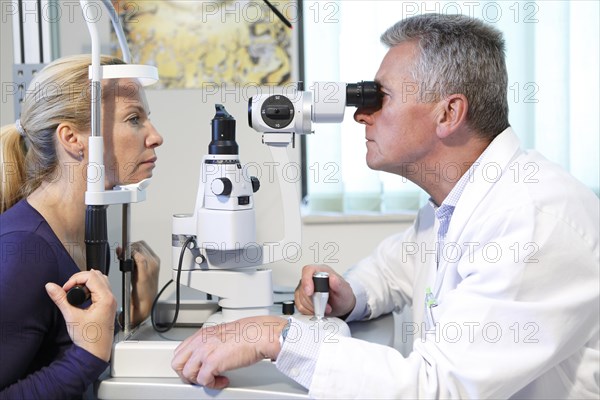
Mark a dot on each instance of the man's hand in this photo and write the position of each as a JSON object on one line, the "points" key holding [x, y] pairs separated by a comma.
{"points": [[341, 298], [93, 328], [204, 357]]}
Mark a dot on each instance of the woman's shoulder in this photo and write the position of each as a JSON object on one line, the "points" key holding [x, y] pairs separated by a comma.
{"points": [[29, 244], [21, 217]]}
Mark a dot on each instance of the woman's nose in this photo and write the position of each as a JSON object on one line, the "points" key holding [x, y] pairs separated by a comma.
{"points": [[154, 139]]}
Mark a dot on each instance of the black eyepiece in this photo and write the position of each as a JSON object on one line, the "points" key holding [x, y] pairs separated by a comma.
{"points": [[363, 94], [223, 133]]}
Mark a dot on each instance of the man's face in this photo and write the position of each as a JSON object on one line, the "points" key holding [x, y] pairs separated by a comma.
{"points": [[401, 134], [130, 138]]}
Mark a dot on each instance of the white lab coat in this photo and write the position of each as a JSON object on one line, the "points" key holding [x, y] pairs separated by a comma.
{"points": [[517, 289]]}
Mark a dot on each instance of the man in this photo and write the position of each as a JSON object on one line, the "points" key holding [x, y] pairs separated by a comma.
{"points": [[501, 268]]}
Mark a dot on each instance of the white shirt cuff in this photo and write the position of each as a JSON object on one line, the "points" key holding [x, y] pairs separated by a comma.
{"points": [[300, 351], [361, 309]]}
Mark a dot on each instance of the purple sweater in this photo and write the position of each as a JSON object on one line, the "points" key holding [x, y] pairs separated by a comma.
{"points": [[38, 359]]}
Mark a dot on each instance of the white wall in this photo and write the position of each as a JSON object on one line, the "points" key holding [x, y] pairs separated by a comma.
{"points": [[183, 118]]}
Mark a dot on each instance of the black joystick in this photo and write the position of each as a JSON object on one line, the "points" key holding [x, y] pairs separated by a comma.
{"points": [[321, 294]]}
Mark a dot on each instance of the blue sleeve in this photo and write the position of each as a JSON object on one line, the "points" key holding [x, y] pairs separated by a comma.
{"points": [[66, 377], [38, 358]]}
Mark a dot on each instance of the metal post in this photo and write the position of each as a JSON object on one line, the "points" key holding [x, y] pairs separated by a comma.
{"points": [[126, 268]]}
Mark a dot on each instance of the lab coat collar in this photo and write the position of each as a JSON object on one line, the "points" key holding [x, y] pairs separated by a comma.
{"points": [[491, 165]]}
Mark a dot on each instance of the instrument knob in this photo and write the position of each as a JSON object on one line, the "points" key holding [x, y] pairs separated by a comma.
{"points": [[221, 187]]}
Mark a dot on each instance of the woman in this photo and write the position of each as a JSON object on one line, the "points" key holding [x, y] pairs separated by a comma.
{"points": [[47, 353]]}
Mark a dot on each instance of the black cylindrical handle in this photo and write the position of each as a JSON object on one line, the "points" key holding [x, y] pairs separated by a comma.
{"points": [[96, 238], [78, 295], [96, 250], [321, 282]]}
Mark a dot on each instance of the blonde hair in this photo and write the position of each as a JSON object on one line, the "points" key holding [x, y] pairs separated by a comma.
{"points": [[59, 93]]}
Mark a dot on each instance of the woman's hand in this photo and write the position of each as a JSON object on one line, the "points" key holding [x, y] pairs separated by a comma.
{"points": [[341, 297], [144, 280], [93, 328]]}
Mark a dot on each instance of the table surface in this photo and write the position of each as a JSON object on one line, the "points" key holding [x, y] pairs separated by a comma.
{"points": [[259, 381]]}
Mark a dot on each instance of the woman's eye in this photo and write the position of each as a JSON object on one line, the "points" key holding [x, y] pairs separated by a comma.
{"points": [[134, 120]]}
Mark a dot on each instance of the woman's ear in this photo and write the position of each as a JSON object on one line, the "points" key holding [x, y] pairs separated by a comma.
{"points": [[452, 116], [70, 140]]}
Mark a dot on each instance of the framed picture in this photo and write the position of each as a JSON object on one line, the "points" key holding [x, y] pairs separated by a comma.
{"points": [[195, 42]]}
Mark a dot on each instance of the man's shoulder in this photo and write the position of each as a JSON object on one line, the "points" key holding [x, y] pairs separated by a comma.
{"points": [[536, 192], [532, 178]]}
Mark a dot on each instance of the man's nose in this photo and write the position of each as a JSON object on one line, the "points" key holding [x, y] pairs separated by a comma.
{"points": [[364, 115]]}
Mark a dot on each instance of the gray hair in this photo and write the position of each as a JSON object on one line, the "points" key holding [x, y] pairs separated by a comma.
{"points": [[459, 54]]}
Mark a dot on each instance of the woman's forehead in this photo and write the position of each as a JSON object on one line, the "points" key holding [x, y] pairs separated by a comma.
{"points": [[122, 87], [129, 90]]}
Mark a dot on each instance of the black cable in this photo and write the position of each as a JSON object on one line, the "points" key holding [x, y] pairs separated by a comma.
{"points": [[170, 325], [21, 33], [279, 15], [152, 318], [40, 33]]}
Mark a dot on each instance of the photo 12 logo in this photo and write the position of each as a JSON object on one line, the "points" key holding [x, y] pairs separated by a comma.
{"points": [[471, 332]]}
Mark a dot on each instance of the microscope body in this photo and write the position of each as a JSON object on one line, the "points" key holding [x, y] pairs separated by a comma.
{"points": [[295, 112], [226, 218], [222, 256], [221, 232]]}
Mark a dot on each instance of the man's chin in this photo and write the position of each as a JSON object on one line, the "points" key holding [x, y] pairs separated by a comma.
{"points": [[373, 164]]}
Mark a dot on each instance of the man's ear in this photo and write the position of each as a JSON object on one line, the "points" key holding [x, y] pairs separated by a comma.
{"points": [[452, 115], [70, 140]]}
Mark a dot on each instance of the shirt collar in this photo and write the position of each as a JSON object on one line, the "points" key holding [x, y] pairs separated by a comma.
{"points": [[446, 209]]}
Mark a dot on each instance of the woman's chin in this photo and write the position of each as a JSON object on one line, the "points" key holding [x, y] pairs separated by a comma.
{"points": [[129, 180]]}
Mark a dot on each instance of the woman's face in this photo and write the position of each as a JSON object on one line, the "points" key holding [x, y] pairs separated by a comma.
{"points": [[130, 138]]}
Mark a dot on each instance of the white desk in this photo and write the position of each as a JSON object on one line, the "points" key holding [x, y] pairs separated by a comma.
{"points": [[259, 381]]}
